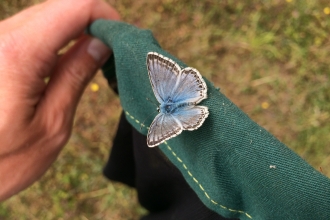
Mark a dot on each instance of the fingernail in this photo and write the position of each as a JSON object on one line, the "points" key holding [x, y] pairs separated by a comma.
{"points": [[98, 50]]}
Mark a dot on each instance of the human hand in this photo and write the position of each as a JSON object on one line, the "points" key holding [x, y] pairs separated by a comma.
{"points": [[36, 117]]}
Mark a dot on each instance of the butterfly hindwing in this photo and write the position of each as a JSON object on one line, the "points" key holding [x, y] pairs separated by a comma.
{"points": [[191, 117], [163, 128]]}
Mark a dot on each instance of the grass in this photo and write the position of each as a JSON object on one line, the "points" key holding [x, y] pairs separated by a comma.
{"points": [[269, 57]]}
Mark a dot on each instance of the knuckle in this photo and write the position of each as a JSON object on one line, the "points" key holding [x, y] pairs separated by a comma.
{"points": [[56, 129], [75, 76]]}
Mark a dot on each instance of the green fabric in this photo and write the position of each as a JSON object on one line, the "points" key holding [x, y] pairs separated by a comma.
{"points": [[236, 167]]}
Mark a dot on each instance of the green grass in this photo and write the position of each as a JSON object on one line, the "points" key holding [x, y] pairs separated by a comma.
{"points": [[271, 58]]}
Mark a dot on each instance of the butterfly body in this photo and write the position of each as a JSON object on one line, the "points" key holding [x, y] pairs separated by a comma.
{"points": [[172, 107], [178, 92]]}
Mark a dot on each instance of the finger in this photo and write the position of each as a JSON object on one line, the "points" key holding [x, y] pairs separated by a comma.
{"points": [[74, 70], [19, 19], [51, 25], [13, 21], [59, 21]]}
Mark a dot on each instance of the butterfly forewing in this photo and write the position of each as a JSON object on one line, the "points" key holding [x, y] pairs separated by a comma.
{"points": [[163, 74], [190, 87], [163, 128]]}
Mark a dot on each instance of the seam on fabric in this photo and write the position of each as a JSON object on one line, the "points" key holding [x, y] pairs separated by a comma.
{"points": [[191, 175], [134, 119], [201, 187]]}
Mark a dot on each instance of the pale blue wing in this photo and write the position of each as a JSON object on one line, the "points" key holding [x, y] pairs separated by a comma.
{"points": [[191, 117], [164, 127], [163, 74], [190, 87]]}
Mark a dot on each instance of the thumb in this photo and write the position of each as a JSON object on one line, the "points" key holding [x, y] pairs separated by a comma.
{"points": [[73, 72]]}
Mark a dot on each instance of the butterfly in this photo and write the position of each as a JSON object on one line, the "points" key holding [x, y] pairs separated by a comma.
{"points": [[178, 92]]}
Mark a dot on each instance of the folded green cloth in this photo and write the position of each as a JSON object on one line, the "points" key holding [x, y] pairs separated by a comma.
{"points": [[236, 167]]}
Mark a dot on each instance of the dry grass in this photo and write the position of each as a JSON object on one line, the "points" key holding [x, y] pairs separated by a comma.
{"points": [[269, 57]]}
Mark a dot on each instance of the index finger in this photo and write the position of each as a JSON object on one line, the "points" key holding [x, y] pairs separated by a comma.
{"points": [[56, 22]]}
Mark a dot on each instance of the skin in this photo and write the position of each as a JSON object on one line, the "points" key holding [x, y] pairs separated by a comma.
{"points": [[36, 118]]}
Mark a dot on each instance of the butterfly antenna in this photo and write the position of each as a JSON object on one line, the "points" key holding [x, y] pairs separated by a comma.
{"points": [[152, 102], [150, 114], [142, 124]]}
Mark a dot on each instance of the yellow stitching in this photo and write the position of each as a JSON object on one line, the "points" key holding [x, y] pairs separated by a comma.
{"points": [[214, 202], [224, 207], [129, 115], [248, 215], [190, 174], [137, 121]]}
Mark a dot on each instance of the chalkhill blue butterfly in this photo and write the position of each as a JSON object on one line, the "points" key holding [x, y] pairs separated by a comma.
{"points": [[178, 92]]}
